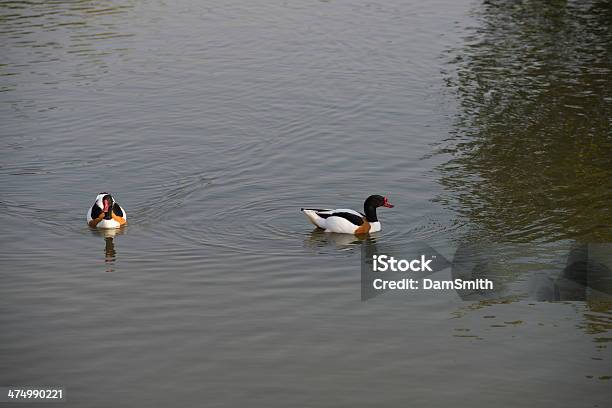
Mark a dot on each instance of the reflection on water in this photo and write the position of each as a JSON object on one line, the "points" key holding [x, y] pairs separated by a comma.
{"points": [[110, 253], [531, 151], [319, 239]]}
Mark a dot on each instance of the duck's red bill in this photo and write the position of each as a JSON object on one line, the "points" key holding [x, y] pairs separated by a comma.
{"points": [[106, 205], [387, 204]]}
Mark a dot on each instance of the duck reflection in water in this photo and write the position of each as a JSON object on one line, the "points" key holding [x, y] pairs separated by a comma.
{"points": [[110, 253], [319, 239]]}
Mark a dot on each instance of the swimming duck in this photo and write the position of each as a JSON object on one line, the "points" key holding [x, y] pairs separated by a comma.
{"points": [[106, 213], [347, 221]]}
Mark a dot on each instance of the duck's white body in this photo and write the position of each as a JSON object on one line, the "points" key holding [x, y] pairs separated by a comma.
{"points": [[114, 216], [342, 221]]}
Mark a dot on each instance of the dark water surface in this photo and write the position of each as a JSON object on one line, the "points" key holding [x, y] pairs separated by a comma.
{"points": [[214, 122]]}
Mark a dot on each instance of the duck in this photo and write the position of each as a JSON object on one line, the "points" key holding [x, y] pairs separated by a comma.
{"points": [[346, 221], [106, 213]]}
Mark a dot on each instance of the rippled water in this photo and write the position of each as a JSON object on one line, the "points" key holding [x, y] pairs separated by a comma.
{"points": [[213, 124]]}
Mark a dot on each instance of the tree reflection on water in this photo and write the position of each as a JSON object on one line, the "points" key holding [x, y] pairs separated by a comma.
{"points": [[531, 153]]}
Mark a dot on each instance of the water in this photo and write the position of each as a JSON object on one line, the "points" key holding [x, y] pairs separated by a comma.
{"points": [[213, 124]]}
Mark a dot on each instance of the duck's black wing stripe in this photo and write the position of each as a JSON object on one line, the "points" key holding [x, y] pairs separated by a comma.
{"points": [[117, 210], [355, 219], [95, 211]]}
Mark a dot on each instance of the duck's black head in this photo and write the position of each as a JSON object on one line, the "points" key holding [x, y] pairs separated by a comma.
{"points": [[105, 201], [372, 203]]}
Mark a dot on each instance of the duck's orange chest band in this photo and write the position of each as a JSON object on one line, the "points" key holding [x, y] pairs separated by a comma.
{"points": [[363, 228], [96, 220], [119, 219]]}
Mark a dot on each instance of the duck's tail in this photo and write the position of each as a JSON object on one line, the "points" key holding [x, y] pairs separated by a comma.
{"points": [[313, 217]]}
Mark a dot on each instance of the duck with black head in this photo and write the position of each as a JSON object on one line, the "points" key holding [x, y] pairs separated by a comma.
{"points": [[346, 221], [106, 213]]}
